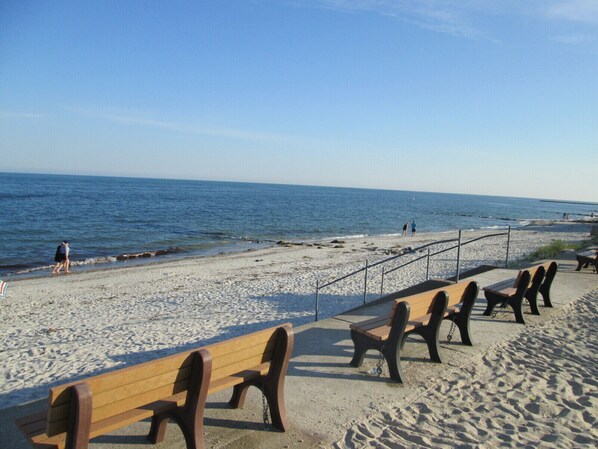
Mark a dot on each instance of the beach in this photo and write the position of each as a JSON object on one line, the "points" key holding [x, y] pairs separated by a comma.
{"points": [[62, 328], [536, 390]]}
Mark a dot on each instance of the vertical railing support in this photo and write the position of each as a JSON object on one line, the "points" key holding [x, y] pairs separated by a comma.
{"points": [[365, 283], [428, 265], [382, 282], [317, 297], [458, 256], [508, 246]]}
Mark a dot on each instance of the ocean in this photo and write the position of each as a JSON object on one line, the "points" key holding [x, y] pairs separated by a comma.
{"points": [[105, 218]]}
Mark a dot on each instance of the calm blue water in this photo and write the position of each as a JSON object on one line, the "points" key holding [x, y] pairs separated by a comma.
{"points": [[104, 217]]}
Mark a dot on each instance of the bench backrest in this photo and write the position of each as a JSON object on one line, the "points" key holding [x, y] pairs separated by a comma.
{"points": [[520, 277], [456, 292], [539, 273], [421, 303], [533, 271], [551, 269], [125, 389]]}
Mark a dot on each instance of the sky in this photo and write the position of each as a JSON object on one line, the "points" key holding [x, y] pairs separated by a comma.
{"points": [[465, 96]]}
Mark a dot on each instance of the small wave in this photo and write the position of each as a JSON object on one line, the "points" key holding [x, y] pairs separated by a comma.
{"points": [[34, 269], [494, 227], [93, 261], [355, 236]]}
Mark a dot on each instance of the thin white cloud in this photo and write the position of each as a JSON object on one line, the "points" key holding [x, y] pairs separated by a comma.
{"points": [[573, 39], [585, 11], [143, 119], [445, 17], [463, 17], [10, 114]]}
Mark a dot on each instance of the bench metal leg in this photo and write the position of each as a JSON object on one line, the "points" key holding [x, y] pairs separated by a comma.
{"points": [[517, 309], [430, 335], [362, 344], [390, 349], [533, 304], [492, 302], [513, 302], [546, 297], [189, 417], [431, 331], [392, 355], [462, 318], [462, 323], [77, 436], [272, 384]]}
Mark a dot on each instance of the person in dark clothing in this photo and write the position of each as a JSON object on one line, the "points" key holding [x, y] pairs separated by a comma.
{"points": [[61, 257]]}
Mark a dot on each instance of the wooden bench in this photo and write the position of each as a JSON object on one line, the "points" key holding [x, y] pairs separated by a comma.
{"points": [[419, 314], [584, 260], [512, 292], [173, 387], [507, 292]]}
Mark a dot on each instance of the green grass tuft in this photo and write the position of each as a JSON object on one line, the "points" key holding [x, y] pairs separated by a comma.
{"points": [[556, 247]]}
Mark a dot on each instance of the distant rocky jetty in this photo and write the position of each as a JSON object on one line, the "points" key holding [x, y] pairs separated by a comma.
{"points": [[145, 254]]}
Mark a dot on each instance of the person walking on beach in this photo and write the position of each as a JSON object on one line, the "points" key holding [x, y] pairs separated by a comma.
{"points": [[405, 229], [62, 258], [413, 225]]}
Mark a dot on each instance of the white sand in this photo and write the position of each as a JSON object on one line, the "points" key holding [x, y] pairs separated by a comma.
{"points": [[539, 390], [60, 328]]}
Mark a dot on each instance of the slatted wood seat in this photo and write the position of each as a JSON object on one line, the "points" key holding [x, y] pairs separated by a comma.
{"points": [[512, 292], [173, 387], [419, 314]]}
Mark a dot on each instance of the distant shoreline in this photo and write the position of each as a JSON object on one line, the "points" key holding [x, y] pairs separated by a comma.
{"points": [[165, 257], [585, 203]]}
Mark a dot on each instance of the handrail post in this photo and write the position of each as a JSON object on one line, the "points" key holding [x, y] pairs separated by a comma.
{"points": [[317, 297], [458, 255], [428, 265], [508, 246], [365, 283], [382, 282]]}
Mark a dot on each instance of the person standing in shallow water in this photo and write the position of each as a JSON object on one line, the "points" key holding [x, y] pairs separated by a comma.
{"points": [[413, 225], [66, 253], [405, 229], [62, 258]]}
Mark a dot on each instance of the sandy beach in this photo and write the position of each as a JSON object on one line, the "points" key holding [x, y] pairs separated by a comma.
{"points": [[61, 328], [536, 390]]}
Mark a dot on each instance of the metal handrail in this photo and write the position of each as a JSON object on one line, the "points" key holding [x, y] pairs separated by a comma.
{"points": [[420, 248], [389, 259], [441, 251]]}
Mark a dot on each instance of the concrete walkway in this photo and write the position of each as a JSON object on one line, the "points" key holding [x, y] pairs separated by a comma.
{"points": [[324, 395]]}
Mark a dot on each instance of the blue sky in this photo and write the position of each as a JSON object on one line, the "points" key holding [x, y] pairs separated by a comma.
{"points": [[467, 96]]}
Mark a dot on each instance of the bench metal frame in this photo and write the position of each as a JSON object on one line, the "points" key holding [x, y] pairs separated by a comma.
{"points": [[391, 347], [514, 300], [586, 261]]}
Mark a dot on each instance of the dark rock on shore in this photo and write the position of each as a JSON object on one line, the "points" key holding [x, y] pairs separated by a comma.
{"points": [[145, 254]]}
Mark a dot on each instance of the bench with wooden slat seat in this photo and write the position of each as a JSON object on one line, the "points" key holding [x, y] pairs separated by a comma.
{"points": [[512, 292], [173, 387], [584, 260], [419, 314]]}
